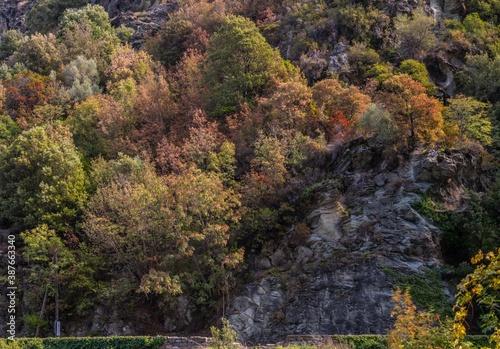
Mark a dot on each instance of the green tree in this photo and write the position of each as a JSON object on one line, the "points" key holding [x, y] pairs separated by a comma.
{"points": [[415, 37], [170, 43], [81, 78], [87, 32], [483, 35], [225, 337], [41, 180], [45, 14], [240, 65], [418, 72], [481, 287], [378, 123], [361, 59], [11, 41], [8, 131], [361, 23], [471, 119], [481, 78], [83, 124], [489, 10], [41, 245], [40, 53], [7, 72]]}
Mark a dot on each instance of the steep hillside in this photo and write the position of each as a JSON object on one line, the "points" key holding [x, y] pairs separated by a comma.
{"points": [[285, 164]]}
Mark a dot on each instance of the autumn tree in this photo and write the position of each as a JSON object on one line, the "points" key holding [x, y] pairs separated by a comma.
{"points": [[418, 116], [127, 207], [338, 106], [269, 161], [42, 180], [205, 148], [181, 224], [240, 65], [330, 95], [26, 91], [290, 107], [414, 328], [127, 63], [139, 85], [207, 209], [205, 14], [114, 124], [480, 287], [154, 110], [188, 90]]}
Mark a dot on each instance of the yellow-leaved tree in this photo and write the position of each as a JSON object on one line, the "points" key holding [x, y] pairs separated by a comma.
{"points": [[416, 329], [483, 288]]}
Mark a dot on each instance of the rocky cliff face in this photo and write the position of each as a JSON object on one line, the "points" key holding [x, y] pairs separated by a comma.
{"points": [[13, 14], [144, 16], [335, 271]]}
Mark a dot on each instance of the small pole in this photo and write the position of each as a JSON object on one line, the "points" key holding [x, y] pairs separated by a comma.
{"points": [[57, 323]]}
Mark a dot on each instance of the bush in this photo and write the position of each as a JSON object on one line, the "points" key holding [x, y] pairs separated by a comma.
{"points": [[224, 338], [353, 341], [84, 342]]}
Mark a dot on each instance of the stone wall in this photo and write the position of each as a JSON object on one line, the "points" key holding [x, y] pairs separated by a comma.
{"points": [[186, 342], [204, 342]]}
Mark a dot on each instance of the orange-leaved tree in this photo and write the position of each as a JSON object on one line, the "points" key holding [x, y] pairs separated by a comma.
{"points": [[418, 116]]}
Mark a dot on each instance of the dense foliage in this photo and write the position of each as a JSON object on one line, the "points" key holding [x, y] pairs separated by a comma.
{"points": [[153, 170]]}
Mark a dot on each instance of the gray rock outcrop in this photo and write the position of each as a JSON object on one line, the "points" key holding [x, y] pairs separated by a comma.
{"points": [[13, 14], [144, 16], [363, 229]]}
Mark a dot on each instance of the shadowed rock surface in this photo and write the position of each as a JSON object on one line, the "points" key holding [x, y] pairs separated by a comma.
{"points": [[143, 16]]}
